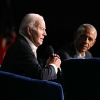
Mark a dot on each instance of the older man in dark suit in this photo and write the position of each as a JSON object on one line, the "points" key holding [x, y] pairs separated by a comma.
{"points": [[21, 56], [84, 39]]}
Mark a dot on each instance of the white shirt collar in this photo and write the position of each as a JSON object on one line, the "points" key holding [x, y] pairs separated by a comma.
{"points": [[78, 55], [33, 47]]}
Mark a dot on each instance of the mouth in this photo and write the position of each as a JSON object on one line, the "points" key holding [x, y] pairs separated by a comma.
{"points": [[84, 46], [42, 39]]}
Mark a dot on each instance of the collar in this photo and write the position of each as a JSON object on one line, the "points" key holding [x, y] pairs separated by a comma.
{"points": [[33, 47], [78, 54]]}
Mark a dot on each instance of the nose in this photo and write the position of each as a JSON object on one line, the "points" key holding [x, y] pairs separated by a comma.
{"points": [[45, 34], [86, 40]]}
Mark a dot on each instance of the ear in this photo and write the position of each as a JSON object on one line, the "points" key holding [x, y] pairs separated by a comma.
{"points": [[28, 30]]}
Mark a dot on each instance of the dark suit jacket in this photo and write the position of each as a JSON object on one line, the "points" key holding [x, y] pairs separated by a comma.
{"points": [[68, 52], [20, 59]]}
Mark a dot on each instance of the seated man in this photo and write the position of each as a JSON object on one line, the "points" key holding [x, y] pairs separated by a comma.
{"points": [[21, 56], [84, 39]]}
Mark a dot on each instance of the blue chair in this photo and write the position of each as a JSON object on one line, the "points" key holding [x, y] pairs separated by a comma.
{"points": [[81, 78], [17, 87]]}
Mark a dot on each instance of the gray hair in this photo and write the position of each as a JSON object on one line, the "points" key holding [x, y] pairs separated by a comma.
{"points": [[83, 27], [29, 20]]}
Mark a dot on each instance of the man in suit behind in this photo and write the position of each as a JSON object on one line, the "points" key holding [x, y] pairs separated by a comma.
{"points": [[84, 39], [21, 57]]}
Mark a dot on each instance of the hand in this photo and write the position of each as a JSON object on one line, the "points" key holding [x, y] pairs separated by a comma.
{"points": [[55, 60]]}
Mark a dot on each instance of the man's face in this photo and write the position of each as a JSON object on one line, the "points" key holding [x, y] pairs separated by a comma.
{"points": [[38, 33], [84, 41]]}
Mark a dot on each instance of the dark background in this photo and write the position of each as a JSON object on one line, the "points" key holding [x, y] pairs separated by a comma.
{"points": [[62, 18]]}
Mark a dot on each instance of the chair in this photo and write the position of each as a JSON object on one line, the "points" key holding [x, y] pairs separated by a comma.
{"points": [[81, 78], [17, 87]]}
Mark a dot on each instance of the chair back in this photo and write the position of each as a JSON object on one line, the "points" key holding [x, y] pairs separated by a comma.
{"points": [[81, 78], [17, 87]]}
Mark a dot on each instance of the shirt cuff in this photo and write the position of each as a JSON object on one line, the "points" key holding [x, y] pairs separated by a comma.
{"points": [[56, 70]]}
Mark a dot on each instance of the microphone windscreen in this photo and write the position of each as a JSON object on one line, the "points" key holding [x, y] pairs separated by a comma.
{"points": [[50, 51]]}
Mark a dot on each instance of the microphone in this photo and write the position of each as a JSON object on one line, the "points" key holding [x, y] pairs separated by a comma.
{"points": [[50, 51]]}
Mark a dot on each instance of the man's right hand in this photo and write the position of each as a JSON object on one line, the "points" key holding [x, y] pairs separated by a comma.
{"points": [[55, 60]]}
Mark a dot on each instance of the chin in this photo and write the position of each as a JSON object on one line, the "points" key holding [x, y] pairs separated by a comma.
{"points": [[40, 44], [84, 50]]}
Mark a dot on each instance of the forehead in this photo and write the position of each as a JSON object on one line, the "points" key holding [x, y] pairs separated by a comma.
{"points": [[89, 32], [40, 22]]}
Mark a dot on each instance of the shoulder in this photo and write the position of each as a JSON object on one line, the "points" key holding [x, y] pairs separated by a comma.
{"points": [[66, 48], [20, 40], [19, 44], [88, 54]]}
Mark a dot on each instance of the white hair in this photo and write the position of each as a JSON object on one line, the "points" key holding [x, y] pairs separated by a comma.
{"points": [[29, 20], [83, 27]]}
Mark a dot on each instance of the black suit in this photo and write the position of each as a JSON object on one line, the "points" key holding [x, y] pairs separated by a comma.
{"points": [[20, 59], [69, 51]]}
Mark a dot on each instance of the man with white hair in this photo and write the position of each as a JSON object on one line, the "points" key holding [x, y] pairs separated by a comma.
{"points": [[84, 39], [21, 56]]}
